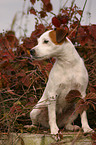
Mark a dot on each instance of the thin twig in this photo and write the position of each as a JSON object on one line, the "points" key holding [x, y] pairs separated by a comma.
{"points": [[76, 138], [72, 3], [73, 31], [65, 3]]}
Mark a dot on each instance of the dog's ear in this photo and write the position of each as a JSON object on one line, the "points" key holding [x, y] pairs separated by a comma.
{"points": [[61, 34]]}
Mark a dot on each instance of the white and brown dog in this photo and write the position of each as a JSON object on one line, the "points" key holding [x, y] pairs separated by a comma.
{"points": [[68, 73]]}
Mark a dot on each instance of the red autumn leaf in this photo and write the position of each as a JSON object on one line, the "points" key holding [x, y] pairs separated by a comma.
{"points": [[29, 42], [81, 31], [4, 43], [73, 95], [65, 27], [33, 1], [92, 31], [48, 7], [81, 106], [41, 26], [13, 41], [8, 55], [46, 2], [32, 11], [56, 22], [40, 29], [42, 14], [64, 19], [49, 66], [11, 54], [82, 36], [36, 33]]}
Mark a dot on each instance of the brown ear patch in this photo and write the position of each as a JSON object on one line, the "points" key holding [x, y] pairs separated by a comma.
{"points": [[61, 34], [58, 36]]}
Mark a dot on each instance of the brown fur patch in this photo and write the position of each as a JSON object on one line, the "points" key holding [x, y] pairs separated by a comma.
{"points": [[52, 35]]}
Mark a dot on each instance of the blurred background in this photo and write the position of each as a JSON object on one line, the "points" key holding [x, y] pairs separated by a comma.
{"points": [[11, 10]]}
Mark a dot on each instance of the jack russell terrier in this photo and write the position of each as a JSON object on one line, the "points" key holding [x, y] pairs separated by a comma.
{"points": [[68, 73]]}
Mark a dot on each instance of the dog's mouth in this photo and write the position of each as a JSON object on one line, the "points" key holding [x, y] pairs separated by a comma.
{"points": [[39, 57]]}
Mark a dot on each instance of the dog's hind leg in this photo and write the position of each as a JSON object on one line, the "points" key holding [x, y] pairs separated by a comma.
{"points": [[34, 115], [67, 118], [40, 117], [69, 125], [68, 115], [37, 110], [34, 118]]}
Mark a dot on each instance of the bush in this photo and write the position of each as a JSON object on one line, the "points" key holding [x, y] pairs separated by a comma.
{"points": [[22, 81]]}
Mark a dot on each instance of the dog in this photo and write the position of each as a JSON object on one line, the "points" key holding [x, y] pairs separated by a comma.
{"points": [[68, 73]]}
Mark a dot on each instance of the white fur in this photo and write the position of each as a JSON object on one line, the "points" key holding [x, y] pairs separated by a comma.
{"points": [[68, 73]]}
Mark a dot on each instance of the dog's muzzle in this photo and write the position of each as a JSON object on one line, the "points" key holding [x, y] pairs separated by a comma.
{"points": [[32, 52]]}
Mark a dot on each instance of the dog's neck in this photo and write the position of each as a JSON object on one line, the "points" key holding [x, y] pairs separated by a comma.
{"points": [[68, 55]]}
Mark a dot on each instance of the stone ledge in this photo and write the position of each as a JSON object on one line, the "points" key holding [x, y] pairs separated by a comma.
{"points": [[69, 138]]}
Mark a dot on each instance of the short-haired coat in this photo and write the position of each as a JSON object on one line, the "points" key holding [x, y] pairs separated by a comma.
{"points": [[68, 73]]}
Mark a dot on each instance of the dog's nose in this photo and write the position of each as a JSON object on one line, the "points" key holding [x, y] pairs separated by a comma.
{"points": [[32, 52]]}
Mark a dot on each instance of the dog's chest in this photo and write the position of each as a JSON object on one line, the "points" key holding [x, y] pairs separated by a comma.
{"points": [[59, 73], [60, 77]]}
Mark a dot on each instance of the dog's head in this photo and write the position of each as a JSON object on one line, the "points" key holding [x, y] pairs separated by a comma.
{"points": [[49, 44]]}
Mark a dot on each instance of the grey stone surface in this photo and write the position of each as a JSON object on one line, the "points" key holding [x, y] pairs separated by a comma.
{"points": [[41, 139]]}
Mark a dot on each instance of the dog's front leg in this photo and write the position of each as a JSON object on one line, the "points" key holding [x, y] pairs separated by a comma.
{"points": [[84, 121], [52, 115]]}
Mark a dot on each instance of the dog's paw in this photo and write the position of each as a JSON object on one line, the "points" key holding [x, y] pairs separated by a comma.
{"points": [[58, 136], [72, 127], [87, 130], [30, 127], [54, 130]]}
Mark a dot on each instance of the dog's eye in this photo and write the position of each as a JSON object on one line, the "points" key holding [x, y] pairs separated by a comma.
{"points": [[46, 41]]}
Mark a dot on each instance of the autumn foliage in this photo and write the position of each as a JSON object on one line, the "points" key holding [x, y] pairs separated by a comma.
{"points": [[23, 80]]}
